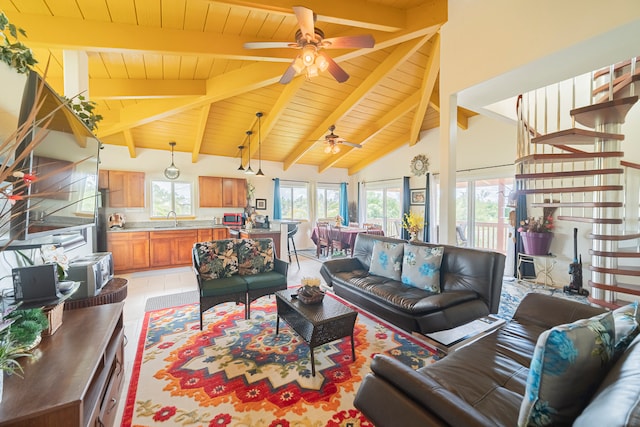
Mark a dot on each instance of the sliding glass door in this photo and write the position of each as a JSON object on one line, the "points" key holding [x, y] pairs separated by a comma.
{"points": [[383, 206]]}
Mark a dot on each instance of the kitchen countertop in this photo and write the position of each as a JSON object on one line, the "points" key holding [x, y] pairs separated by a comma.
{"points": [[163, 226], [259, 231]]}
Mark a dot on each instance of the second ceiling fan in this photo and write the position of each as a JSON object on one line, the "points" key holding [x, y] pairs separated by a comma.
{"points": [[332, 140], [311, 41]]}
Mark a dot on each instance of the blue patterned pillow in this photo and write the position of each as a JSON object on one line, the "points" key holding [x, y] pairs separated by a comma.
{"points": [[386, 259], [568, 364], [421, 267], [627, 322]]}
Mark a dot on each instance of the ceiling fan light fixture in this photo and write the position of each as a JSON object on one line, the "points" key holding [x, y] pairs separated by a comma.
{"points": [[172, 172], [335, 149], [312, 70], [327, 149], [322, 63], [309, 53], [298, 65]]}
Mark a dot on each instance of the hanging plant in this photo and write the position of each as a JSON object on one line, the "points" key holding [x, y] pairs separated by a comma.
{"points": [[84, 109], [13, 52]]}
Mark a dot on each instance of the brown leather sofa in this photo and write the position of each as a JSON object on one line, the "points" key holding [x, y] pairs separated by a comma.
{"points": [[483, 384], [470, 284]]}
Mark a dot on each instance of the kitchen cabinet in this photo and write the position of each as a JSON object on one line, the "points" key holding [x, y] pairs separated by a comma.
{"points": [[55, 178], [210, 191], [130, 250], [234, 192], [103, 179], [171, 248], [208, 234], [126, 189], [257, 233]]}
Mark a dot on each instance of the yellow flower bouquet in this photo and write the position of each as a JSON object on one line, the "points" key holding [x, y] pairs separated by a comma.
{"points": [[412, 222]]}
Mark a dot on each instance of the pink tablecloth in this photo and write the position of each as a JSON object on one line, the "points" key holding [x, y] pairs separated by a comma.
{"points": [[348, 234]]}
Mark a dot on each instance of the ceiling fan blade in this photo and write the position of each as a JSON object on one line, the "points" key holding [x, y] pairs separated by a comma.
{"points": [[336, 71], [305, 20], [349, 42], [268, 45], [288, 75], [351, 144]]}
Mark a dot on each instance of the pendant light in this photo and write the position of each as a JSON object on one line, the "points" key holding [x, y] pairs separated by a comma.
{"points": [[260, 173], [249, 171], [241, 147], [172, 172]]}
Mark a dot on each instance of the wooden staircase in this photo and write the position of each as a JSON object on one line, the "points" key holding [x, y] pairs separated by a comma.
{"points": [[577, 168]]}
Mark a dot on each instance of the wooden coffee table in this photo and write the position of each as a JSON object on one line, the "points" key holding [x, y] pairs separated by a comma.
{"points": [[317, 324]]}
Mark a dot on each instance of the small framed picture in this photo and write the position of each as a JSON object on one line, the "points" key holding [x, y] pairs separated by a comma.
{"points": [[261, 204], [418, 196]]}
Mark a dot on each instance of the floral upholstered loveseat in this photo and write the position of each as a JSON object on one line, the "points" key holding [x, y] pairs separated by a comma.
{"points": [[237, 270]]}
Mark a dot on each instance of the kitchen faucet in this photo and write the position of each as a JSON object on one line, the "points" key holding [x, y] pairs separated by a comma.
{"points": [[175, 217]]}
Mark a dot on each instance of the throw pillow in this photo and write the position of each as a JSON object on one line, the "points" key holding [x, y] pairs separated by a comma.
{"points": [[421, 267], [627, 325], [254, 256], [217, 259], [568, 364], [386, 259]]}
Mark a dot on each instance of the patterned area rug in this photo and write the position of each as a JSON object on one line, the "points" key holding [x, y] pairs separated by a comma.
{"points": [[238, 372]]}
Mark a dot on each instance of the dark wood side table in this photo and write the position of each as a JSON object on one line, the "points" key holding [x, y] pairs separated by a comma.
{"points": [[317, 324], [114, 291]]}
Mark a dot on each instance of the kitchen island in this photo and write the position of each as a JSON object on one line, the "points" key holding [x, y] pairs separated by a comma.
{"points": [[256, 233]]}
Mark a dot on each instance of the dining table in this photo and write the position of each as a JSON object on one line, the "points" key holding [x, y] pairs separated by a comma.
{"points": [[348, 234]]}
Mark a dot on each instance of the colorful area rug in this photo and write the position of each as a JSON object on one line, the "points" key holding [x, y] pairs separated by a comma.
{"points": [[238, 372]]}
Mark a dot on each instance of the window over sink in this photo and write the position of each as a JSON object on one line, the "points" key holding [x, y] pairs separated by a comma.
{"points": [[167, 196]]}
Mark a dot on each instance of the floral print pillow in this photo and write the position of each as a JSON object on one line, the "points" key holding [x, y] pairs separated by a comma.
{"points": [[254, 256], [568, 364], [217, 259], [627, 320], [421, 267], [386, 259]]}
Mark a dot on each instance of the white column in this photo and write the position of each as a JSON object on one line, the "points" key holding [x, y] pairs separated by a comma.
{"points": [[448, 142], [76, 73]]}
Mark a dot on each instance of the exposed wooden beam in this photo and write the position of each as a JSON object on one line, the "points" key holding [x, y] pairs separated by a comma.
{"points": [[128, 138], [462, 116], [370, 132], [139, 88], [353, 13], [379, 154], [200, 128], [432, 69], [398, 56]]}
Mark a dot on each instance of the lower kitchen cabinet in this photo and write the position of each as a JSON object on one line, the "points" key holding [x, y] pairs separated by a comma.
{"points": [[130, 250], [171, 248]]}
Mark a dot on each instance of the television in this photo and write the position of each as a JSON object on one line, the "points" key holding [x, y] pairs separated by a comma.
{"points": [[63, 198]]}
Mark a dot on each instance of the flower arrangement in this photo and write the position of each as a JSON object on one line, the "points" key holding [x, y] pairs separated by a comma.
{"points": [[55, 255], [543, 224], [339, 220], [412, 222]]}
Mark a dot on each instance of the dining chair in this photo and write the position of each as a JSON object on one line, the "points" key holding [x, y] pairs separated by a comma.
{"points": [[324, 244], [354, 224], [335, 241]]}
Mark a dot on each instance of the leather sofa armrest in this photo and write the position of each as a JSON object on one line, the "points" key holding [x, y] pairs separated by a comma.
{"points": [[428, 393], [547, 311], [281, 266], [332, 267]]}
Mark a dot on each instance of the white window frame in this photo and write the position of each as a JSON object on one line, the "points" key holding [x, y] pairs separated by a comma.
{"points": [[291, 186], [173, 198]]}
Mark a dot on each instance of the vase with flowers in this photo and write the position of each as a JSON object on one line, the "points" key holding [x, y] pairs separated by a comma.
{"points": [[413, 223], [536, 234]]}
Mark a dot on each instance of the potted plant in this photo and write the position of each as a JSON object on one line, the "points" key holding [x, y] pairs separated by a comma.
{"points": [[10, 350], [26, 329], [412, 222], [536, 234]]}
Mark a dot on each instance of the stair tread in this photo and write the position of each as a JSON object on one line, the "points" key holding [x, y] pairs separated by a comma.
{"points": [[626, 235], [629, 270], [590, 220], [631, 252], [563, 174], [578, 205], [624, 288], [608, 112], [576, 136], [567, 157], [572, 189]]}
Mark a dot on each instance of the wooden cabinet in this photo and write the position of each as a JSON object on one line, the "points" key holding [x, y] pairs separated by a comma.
{"points": [[234, 192], [76, 378], [210, 191], [217, 192], [218, 233], [103, 179], [259, 234], [130, 250], [171, 248], [126, 189], [55, 178]]}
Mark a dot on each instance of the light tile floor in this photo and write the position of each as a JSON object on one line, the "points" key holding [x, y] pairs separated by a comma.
{"points": [[143, 285]]}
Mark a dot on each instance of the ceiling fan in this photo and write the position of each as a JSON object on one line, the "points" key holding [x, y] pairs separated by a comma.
{"points": [[312, 42], [332, 140]]}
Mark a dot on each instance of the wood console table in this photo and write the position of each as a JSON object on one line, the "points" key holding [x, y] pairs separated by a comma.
{"points": [[114, 291], [75, 376]]}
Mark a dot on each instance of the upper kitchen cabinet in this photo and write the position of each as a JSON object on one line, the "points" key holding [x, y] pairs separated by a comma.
{"points": [[218, 192], [210, 191], [234, 192], [126, 189]]}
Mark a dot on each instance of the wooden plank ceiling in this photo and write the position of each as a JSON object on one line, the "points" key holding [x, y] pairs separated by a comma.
{"points": [[177, 70]]}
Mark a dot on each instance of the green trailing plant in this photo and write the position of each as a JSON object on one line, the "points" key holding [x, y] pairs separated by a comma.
{"points": [[13, 52], [10, 351], [27, 325], [85, 110]]}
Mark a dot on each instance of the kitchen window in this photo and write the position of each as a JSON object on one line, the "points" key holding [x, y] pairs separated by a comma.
{"points": [[167, 196]]}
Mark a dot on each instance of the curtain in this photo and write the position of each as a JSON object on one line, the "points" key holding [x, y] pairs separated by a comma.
{"points": [[344, 203], [406, 204], [427, 208], [277, 210]]}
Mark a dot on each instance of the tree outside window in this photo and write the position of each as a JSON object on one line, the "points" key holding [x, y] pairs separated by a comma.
{"points": [[167, 196], [294, 201], [328, 201]]}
